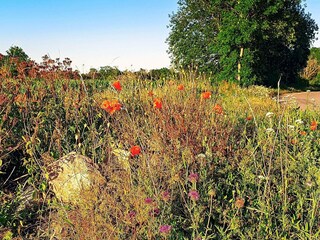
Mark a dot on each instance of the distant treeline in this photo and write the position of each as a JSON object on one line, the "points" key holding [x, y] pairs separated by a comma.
{"points": [[108, 72], [17, 64]]}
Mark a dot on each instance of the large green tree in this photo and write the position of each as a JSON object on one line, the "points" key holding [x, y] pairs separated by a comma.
{"points": [[248, 41]]}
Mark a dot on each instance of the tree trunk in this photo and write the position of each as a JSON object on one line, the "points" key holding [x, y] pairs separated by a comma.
{"points": [[239, 64]]}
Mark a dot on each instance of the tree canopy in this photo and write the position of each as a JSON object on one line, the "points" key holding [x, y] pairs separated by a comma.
{"points": [[17, 52], [248, 41]]}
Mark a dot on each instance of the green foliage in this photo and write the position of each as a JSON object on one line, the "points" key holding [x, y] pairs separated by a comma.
{"points": [[92, 74], [15, 56], [248, 41], [7, 236], [108, 72], [192, 37], [17, 52], [315, 54], [160, 74]]}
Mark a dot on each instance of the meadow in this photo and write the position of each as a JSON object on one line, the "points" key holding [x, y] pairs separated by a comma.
{"points": [[205, 161]]}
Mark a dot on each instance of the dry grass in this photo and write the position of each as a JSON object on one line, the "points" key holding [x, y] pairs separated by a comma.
{"points": [[246, 174]]}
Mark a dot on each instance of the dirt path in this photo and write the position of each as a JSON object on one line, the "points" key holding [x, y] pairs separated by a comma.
{"points": [[305, 100]]}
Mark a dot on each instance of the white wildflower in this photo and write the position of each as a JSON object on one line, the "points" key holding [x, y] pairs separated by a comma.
{"points": [[201, 155], [269, 130], [291, 127], [123, 157], [299, 121], [269, 114]]}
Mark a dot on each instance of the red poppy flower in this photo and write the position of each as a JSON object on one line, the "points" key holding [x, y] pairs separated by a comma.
{"points": [[157, 103], [111, 106], [206, 95], [249, 118], [117, 85], [313, 125], [135, 150], [218, 109], [180, 87]]}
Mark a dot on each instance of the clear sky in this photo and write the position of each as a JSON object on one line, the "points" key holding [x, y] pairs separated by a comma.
{"points": [[129, 34]]}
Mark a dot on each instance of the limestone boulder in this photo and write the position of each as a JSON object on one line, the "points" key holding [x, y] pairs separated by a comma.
{"points": [[75, 179]]}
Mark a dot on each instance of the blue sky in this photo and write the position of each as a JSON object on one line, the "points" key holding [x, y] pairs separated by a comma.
{"points": [[129, 34]]}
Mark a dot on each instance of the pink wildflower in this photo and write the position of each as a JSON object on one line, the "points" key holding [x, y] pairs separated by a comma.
{"points": [[148, 201], [165, 229], [194, 195], [166, 196], [193, 177], [154, 212]]}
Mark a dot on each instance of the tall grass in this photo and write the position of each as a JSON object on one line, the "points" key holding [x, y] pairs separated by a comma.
{"points": [[232, 166]]}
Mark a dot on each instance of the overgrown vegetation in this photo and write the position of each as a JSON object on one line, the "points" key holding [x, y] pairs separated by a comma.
{"points": [[209, 162]]}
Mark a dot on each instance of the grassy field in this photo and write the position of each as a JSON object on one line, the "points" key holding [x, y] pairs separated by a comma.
{"points": [[207, 162]]}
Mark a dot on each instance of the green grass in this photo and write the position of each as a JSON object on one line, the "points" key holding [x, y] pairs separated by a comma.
{"points": [[258, 173]]}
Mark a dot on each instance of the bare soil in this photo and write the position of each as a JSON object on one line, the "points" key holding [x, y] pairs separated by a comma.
{"points": [[304, 100]]}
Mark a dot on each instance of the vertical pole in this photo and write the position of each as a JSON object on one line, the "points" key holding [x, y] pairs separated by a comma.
{"points": [[239, 64]]}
